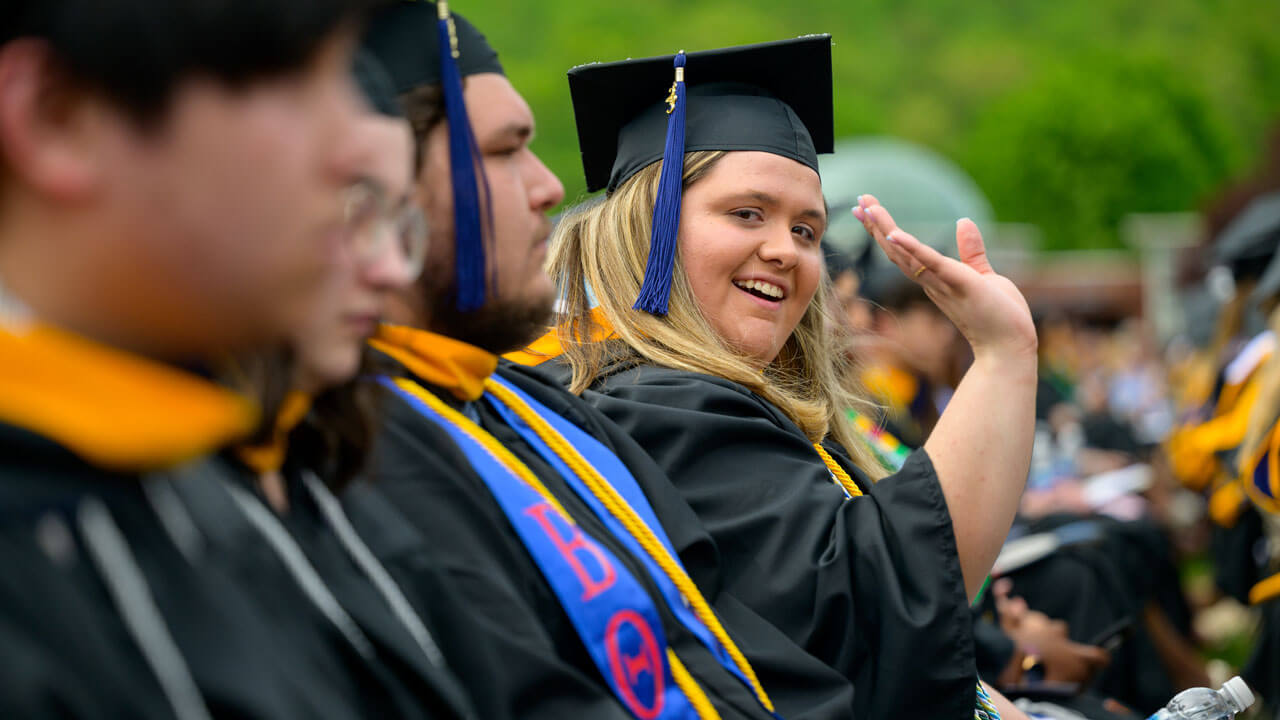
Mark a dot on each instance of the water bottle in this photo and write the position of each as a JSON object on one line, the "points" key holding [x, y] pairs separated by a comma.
{"points": [[1207, 704]]}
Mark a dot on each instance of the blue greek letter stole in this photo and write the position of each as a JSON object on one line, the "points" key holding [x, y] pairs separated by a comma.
{"points": [[608, 465], [609, 608]]}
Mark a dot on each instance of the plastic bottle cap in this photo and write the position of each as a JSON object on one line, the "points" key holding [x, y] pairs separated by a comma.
{"points": [[1239, 692]]}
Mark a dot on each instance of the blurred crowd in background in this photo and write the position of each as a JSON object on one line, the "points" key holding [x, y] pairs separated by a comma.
{"points": [[1146, 526]]}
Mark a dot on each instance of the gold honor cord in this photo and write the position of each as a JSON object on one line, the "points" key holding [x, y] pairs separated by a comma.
{"points": [[838, 472], [1265, 590], [691, 689], [487, 441], [619, 508]]}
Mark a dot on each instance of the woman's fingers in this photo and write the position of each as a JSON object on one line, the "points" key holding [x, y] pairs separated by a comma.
{"points": [[940, 273], [896, 255], [866, 201], [880, 224], [924, 264], [880, 218], [970, 246], [860, 212]]}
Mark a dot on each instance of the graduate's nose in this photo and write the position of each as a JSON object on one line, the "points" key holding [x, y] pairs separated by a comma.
{"points": [[779, 248], [545, 189]]}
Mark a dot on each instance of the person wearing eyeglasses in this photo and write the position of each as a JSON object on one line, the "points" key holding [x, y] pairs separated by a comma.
{"points": [[269, 506]]}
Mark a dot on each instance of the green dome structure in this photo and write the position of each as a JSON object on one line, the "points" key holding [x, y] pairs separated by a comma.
{"points": [[925, 191]]}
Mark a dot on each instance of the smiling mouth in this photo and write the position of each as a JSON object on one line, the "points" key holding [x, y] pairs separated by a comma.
{"points": [[761, 289]]}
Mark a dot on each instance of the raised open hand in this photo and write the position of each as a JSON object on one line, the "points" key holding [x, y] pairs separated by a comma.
{"points": [[985, 306]]}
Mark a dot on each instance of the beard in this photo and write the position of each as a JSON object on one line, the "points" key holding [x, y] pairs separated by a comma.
{"points": [[501, 326]]}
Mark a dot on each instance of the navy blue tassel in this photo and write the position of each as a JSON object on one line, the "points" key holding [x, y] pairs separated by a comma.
{"points": [[467, 175], [656, 290]]}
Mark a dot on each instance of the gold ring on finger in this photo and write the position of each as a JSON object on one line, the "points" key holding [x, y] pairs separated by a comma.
{"points": [[919, 272]]}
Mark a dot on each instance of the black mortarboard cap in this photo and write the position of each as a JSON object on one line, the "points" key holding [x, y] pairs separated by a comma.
{"points": [[1249, 242], [424, 43], [403, 37], [772, 97], [375, 85], [1268, 287]]}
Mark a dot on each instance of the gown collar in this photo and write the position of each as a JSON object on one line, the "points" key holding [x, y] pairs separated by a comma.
{"points": [[114, 409], [441, 361], [549, 347], [269, 456]]}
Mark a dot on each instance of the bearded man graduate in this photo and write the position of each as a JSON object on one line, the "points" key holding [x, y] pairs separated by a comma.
{"points": [[589, 587], [168, 194]]}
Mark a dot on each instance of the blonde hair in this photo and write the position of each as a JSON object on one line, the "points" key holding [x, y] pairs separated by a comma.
{"points": [[605, 247]]}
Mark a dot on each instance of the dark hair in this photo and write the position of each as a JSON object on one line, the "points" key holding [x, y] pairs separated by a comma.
{"points": [[136, 52], [336, 437], [424, 108], [889, 290], [903, 295], [838, 262]]}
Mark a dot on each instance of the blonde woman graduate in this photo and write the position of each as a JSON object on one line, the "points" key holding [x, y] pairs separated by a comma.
{"points": [[712, 345]]}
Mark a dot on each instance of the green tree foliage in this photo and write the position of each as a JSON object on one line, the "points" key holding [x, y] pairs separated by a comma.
{"points": [[1069, 115]]}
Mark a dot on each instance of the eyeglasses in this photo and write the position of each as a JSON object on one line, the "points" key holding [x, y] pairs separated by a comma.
{"points": [[370, 222]]}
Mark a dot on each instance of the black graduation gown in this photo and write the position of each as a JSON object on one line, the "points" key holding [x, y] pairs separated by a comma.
{"points": [[1262, 671], [72, 649], [545, 671], [993, 648], [871, 586], [1092, 586], [1235, 554], [414, 685]]}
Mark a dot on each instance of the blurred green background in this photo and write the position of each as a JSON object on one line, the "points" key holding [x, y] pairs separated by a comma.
{"points": [[1068, 115]]}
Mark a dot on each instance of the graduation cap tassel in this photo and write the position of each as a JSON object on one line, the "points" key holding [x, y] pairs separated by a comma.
{"points": [[466, 173], [656, 290]]}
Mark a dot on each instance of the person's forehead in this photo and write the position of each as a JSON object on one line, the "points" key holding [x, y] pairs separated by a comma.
{"points": [[759, 162], [760, 173], [495, 105], [388, 144]]}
